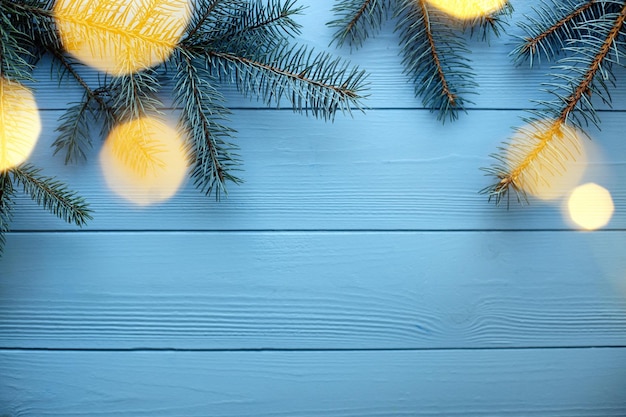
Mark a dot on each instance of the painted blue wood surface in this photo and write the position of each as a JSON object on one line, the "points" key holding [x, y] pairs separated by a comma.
{"points": [[357, 272]]}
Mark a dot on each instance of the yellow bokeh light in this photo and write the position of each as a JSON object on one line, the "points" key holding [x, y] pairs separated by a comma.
{"points": [[20, 124], [561, 163], [141, 179], [119, 36], [590, 206], [468, 9]]}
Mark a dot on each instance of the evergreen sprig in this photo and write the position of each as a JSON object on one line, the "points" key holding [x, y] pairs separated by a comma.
{"points": [[433, 45], [7, 193], [359, 19], [20, 47], [592, 37], [315, 83], [245, 42], [51, 194], [204, 117], [46, 191], [434, 58], [14, 50]]}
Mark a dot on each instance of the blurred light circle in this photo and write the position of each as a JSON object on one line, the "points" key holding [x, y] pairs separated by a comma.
{"points": [[468, 9], [590, 206], [119, 36], [128, 175], [20, 124]]}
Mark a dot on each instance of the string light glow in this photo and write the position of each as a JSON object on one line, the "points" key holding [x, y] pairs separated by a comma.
{"points": [[20, 124], [144, 161], [119, 36], [556, 167], [590, 206], [468, 9]]}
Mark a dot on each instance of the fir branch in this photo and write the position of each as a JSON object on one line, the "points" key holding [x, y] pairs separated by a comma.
{"points": [[6, 206], [518, 161], [574, 107], [133, 98], [67, 65], [433, 58], [244, 41], [585, 87], [14, 56], [316, 83], [93, 21], [134, 95], [255, 25], [52, 195], [492, 24], [206, 16], [34, 21], [202, 117], [100, 99], [74, 133], [357, 19], [267, 21], [555, 25]]}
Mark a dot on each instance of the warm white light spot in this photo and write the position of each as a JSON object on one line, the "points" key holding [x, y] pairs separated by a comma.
{"points": [[20, 124], [590, 206], [144, 161], [468, 9], [558, 167], [121, 36]]}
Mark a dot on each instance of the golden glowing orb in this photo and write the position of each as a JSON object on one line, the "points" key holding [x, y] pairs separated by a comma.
{"points": [[144, 161], [20, 124], [468, 9], [120, 36], [590, 206], [555, 155]]}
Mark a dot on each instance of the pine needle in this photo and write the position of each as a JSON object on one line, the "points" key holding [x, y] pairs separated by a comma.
{"points": [[586, 70], [52, 195], [433, 45], [6, 206], [204, 118], [435, 59], [315, 83], [358, 19]]}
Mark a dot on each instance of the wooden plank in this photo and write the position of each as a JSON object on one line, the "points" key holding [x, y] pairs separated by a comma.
{"points": [[392, 169], [313, 290], [501, 83], [550, 383]]}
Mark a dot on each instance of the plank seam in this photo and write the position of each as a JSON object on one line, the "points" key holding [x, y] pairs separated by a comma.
{"points": [[424, 349], [367, 109], [308, 231]]}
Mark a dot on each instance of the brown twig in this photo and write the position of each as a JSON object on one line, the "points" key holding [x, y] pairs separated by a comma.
{"points": [[531, 43], [451, 97]]}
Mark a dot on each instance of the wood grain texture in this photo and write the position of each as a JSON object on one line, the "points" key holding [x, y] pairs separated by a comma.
{"points": [[388, 169], [356, 273], [516, 383], [313, 290]]}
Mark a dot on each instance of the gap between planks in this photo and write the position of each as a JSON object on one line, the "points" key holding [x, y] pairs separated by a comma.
{"points": [[255, 350]]}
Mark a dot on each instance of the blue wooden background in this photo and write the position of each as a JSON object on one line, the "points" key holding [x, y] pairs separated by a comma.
{"points": [[357, 272]]}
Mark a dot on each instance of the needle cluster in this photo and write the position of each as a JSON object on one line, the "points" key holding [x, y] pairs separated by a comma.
{"points": [[248, 43], [585, 39], [434, 46], [20, 46]]}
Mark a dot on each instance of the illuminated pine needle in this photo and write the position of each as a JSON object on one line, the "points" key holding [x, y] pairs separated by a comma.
{"points": [[590, 35]]}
